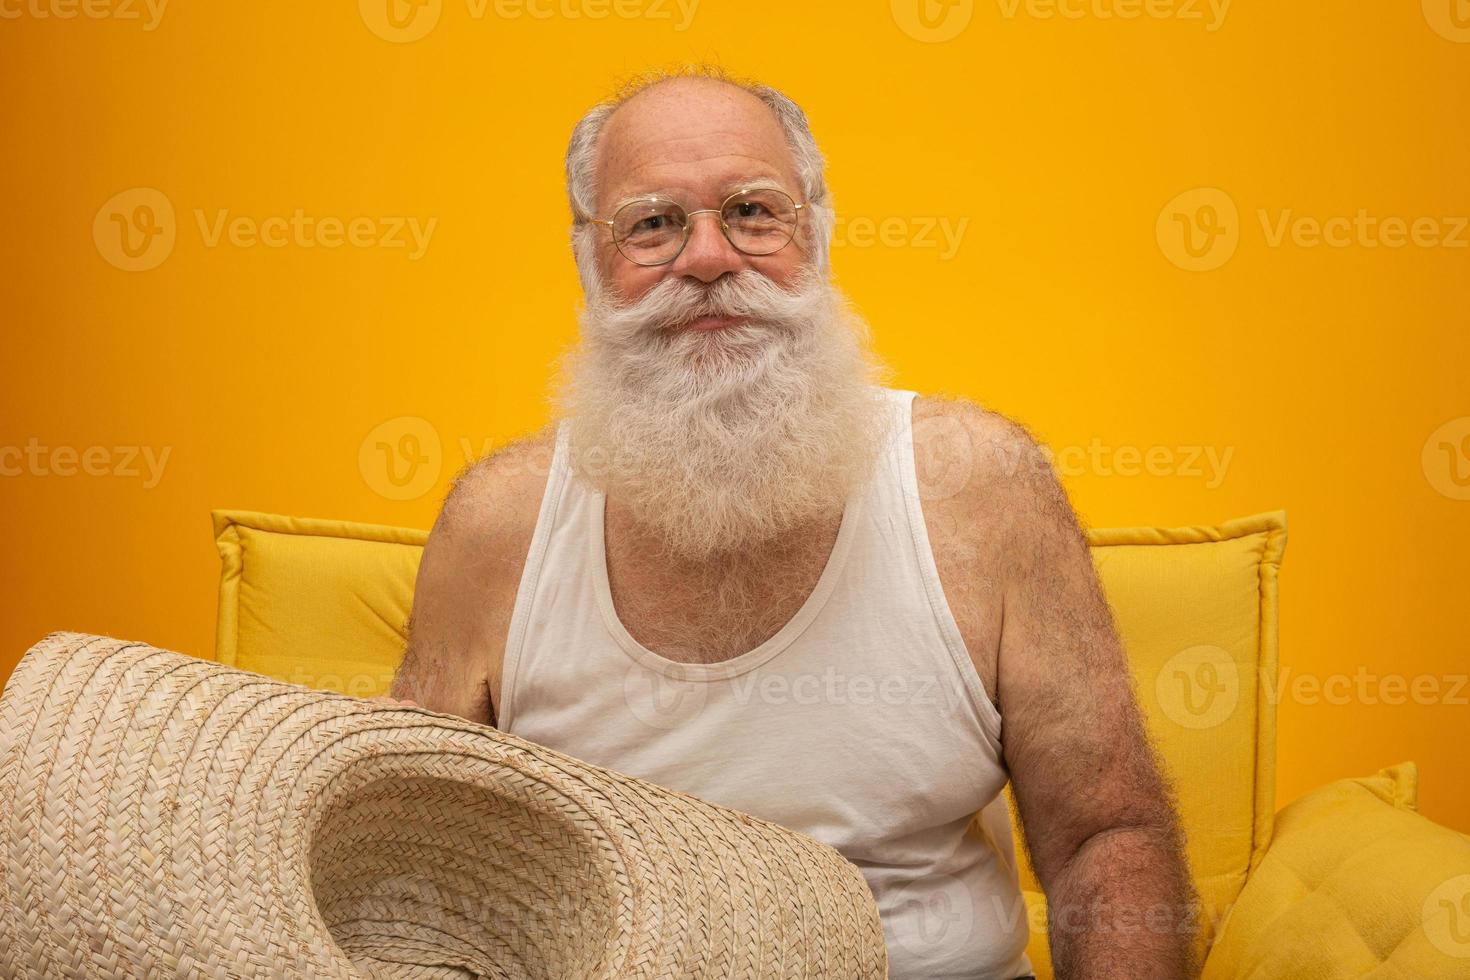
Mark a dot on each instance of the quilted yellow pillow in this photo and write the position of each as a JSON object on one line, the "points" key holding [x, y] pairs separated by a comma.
{"points": [[1354, 882]]}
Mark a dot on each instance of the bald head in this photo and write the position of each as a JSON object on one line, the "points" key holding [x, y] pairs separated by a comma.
{"points": [[696, 136], [688, 136]]}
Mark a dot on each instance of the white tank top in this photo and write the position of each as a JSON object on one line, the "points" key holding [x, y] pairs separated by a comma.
{"points": [[861, 723]]}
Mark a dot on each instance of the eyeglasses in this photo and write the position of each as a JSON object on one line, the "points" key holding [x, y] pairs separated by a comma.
{"points": [[654, 230]]}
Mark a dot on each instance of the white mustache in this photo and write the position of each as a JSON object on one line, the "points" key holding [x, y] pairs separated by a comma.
{"points": [[677, 301]]}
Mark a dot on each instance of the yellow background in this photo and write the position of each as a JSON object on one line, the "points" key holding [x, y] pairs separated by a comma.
{"points": [[1058, 140]]}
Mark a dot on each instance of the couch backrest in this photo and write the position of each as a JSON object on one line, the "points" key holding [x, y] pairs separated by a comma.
{"points": [[325, 603]]}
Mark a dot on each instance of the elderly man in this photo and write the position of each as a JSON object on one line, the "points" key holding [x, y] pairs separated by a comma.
{"points": [[740, 566]]}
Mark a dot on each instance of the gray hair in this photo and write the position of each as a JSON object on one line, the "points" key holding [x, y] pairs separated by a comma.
{"points": [[581, 162]]}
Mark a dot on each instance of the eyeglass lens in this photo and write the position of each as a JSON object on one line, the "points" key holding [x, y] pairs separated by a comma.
{"points": [[757, 222]]}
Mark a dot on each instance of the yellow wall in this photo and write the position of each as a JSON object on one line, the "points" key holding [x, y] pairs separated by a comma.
{"points": [[1049, 141]]}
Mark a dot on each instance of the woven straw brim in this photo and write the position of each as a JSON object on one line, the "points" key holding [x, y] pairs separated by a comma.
{"points": [[162, 815]]}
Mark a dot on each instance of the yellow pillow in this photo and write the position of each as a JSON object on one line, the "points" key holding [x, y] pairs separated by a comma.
{"points": [[319, 603], [1355, 881]]}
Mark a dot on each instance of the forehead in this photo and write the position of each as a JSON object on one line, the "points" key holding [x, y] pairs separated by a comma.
{"points": [[696, 138]]}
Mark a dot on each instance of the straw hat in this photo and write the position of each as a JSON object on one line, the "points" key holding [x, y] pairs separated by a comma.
{"points": [[162, 815]]}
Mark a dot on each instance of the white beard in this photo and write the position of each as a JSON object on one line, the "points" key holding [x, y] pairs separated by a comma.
{"points": [[719, 442]]}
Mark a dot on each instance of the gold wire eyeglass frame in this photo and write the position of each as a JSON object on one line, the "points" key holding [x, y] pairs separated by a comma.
{"points": [[689, 224]]}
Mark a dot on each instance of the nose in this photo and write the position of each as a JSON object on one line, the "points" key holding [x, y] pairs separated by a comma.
{"points": [[707, 254]]}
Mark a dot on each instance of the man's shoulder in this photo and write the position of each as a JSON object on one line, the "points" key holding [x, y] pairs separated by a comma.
{"points": [[497, 497], [986, 478], [976, 456], [483, 533]]}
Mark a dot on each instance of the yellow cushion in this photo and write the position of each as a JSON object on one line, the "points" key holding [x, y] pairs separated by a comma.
{"points": [[315, 602], [1354, 882], [1196, 608], [324, 603]]}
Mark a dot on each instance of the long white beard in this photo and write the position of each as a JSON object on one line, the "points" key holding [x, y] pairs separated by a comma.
{"points": [[722, 441]]}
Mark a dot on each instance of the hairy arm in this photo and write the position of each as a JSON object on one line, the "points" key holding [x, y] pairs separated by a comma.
{"points": [[467, 581], [1097, 811], [444, 667]]}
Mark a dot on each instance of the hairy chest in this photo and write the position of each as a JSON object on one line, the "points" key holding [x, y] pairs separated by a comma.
{"points": [[721, 614], [718, 615]]}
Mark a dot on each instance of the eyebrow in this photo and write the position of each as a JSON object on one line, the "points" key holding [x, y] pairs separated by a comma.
{"points": [[730, 187]]}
